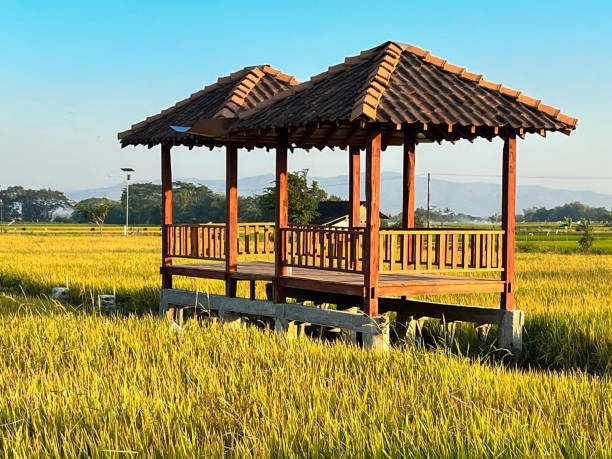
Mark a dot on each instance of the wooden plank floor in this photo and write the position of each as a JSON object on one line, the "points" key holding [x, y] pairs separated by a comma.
{"points": [[391, 284]]}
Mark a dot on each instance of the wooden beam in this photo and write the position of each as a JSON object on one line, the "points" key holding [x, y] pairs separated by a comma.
{"points": [[354, 191], [325, 141], [166, 210], [408, 178], [231, 216], [354, 127], [371, 253], [508, 220], [281, 215], [387, 135], [307, 134]]}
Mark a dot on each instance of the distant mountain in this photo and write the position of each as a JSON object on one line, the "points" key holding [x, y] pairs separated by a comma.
{"points": [[473, 198]]}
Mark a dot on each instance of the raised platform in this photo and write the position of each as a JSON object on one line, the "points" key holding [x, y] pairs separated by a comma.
{"points": [[390, 284]]}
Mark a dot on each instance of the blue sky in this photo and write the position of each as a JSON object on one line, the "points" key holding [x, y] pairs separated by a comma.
{"points": [[76, 73]]}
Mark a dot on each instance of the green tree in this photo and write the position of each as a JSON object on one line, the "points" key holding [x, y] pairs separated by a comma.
{"points": [[32, 205], [303, 199], [586, 241], [94, 210]]}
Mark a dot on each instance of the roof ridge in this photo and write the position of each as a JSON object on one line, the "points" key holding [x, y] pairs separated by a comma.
{"points": [[237, 75], [462, 72], [237, 96], [348, 62], [372, 90]]}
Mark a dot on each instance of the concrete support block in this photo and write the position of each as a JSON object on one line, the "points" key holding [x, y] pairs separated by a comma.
{"points": [[289, 328], [450, 328], [483, 333], [106, 303], [229, 319], [60, 293], [378, 339], [179, 316], [510, 334], [349, 336], [414, 332]]}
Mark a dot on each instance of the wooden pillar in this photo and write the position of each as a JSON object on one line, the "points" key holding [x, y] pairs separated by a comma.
{"points": [[354, 191], [372, 239], [231, 217], [281, 213], [508, 220], [408, 178], [166, 210]]}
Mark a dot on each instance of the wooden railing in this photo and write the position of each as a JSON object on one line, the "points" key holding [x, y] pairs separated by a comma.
{"points": [[323, 247], [341, 249], [207, 241], [441, 249], [255, 238], [192, 240]]}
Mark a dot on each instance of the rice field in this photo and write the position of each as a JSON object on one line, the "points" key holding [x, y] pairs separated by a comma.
{"points": [[76, 383]]}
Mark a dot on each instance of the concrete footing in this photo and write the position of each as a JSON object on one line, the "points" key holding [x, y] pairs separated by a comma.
{"points": [[291, 319], [510, 335]]}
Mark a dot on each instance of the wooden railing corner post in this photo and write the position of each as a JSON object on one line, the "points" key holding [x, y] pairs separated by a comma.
{"points": [[508, 221], [281, 214], [166, 211], [372, 238]]}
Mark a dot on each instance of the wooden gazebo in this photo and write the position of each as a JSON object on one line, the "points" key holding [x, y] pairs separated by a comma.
{"points": [[393, 94]]}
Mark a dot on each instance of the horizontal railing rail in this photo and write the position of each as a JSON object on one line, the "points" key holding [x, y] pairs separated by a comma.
{"points": [[457, 249], [323, 247], [206, 241]]}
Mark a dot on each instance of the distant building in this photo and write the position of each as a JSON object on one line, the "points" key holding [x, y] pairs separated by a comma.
{"points": [[336, 213]]}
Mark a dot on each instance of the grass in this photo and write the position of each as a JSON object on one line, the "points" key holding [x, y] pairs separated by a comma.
{"points": [[76, 383]]}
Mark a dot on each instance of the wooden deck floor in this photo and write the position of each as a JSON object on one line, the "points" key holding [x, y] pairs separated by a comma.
{"points": [[390, 284]]}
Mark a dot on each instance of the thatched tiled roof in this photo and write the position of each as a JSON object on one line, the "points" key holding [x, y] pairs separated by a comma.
{"points": [[398, 86], [224, 99]]}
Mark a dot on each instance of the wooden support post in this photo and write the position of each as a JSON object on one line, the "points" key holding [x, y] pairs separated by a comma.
{"points": [[371, 252], [231, 217], [281, 215], [508, 221], [408, 178], [252, 290], [408, 195], [354, 191], [166, 210]]}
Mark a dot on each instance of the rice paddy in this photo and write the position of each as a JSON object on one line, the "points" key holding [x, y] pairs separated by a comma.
{"points": [[76, 383]]}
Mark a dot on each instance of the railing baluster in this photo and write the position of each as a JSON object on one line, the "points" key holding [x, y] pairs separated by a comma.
{"points": [[442, 240], [455, 250]]}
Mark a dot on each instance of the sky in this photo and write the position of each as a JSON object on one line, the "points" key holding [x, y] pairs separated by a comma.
{"points": [[76, 73]]}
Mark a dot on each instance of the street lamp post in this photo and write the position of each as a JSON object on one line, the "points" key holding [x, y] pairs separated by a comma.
{"points": [[128, 171]]}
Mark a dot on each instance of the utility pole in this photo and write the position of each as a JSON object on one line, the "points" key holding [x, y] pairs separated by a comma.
{"points": [[1, 219], [428, 195], [127, 171]]}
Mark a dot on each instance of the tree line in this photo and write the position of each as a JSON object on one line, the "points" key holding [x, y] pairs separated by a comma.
{"points": [[191, 203], [574, 210]]}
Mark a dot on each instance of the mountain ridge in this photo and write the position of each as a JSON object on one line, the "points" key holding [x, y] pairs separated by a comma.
{"points": [[480, 199]]}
